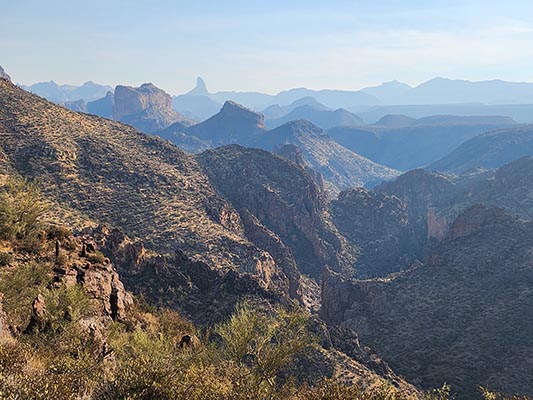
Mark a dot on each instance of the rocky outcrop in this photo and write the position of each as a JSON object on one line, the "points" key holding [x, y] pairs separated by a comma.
{"points": [[378, 226], [4, 75], [422, 192], [95, 274], [460, 317], [147, 107], [283, 197]]}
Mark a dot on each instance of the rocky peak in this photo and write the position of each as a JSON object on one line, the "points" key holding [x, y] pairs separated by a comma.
{"points": [[4, 75], [236, 110], [147, 108], [200, 88], [130, 100]]}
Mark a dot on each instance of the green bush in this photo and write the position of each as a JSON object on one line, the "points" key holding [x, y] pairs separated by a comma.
{"points": [[22, 210]]}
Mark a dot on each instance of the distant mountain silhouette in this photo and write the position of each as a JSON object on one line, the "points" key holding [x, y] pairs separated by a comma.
{"points": [[449, 91], [277, 111], [488, 150], [196, 104], [89, 91], [521, 113], [323, 118], [102, 107], [395, 121], [423, 142], [388, 92]]}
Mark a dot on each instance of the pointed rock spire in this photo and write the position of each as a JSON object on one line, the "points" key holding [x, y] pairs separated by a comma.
{"points": [[200, 89]]}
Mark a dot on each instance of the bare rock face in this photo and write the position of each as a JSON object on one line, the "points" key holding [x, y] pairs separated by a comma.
{"points": [[147, 107], [97, 276], [4, 75], [283, 198], [378, 226]]}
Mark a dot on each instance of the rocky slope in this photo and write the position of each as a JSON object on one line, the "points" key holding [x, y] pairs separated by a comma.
{"points": [[283, 197], [461, 317], [147, 108], [378, 226], [110, 173], [339, 166]]}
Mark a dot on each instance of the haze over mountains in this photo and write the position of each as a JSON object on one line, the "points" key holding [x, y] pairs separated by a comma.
{"points": [[411, 279]]}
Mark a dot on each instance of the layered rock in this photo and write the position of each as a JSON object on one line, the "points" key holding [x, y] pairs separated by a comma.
{"points": [[147, 107]]}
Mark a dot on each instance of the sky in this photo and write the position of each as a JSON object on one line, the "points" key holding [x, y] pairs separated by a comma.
{"points": [[265, 46]]}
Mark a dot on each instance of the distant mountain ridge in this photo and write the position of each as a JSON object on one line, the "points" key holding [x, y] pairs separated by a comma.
{"points": [[236, 124], [89, 91]]}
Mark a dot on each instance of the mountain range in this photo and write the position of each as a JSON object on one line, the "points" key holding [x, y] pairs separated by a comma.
{"points": [[416, 280]]}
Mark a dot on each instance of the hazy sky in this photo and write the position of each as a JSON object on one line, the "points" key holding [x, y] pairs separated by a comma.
{"points": [[267, 45]]}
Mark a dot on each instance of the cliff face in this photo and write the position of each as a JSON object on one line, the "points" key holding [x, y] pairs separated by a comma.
{"points": [[283, 197], [460, 317], [378, 226], [147, 107]]}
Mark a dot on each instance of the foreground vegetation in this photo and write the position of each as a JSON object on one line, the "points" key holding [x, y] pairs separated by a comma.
{"points": [[71, 349]]}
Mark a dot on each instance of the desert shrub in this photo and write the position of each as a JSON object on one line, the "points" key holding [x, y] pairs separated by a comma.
{"points": [[20, 286], [489, 395], [261, 344], [96, 258], [22, 210], [58, 232], [5, 258]]}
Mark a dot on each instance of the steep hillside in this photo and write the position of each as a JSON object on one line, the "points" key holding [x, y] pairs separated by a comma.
{"points": [[284, 198], [378, 227], [340, 167], [489, 150], [116, 175], [462, 316]]}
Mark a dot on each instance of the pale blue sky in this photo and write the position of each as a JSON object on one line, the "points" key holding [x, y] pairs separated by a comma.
{"points": [[265, 45]]}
